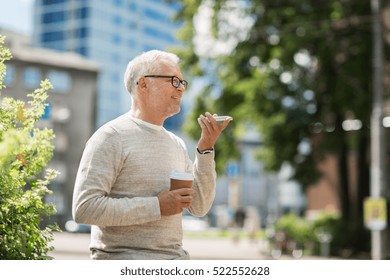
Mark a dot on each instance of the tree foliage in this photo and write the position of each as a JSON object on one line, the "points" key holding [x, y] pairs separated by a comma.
{"points": [[25, 151], [296, 72]]}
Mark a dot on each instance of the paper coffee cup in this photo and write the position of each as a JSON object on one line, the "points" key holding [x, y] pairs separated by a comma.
{"points": [[180, 180]]}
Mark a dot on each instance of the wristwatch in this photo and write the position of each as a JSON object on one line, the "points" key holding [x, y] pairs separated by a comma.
{"points": [[207, 151]]}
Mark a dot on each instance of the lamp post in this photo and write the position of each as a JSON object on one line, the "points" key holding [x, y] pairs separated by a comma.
{"points": [[378, 148]]}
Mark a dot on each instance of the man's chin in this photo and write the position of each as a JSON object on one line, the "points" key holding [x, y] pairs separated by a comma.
{"points": [[174, 112]]}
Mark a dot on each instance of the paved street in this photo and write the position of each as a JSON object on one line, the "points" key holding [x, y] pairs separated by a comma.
{"points": [[74, 246]]}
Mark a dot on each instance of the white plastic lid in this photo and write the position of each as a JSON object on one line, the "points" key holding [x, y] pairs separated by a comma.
{"points": [[181, 175]]}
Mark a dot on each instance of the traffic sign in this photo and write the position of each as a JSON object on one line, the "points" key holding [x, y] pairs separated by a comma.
{"points": [[375, 213]]}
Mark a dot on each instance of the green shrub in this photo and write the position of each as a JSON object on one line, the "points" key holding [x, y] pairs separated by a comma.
{"points": [[348, 237], [294, 232], [296, 228], [344, 239], [25, 151]]}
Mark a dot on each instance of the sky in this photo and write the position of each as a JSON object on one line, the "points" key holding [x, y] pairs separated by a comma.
{"points": [[16, 15]]}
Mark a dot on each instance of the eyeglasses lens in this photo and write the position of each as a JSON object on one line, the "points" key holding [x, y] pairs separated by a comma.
{"points": [[176, 82]]}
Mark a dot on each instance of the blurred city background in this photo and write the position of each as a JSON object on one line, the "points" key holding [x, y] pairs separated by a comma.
{"points": [[295, 170]]}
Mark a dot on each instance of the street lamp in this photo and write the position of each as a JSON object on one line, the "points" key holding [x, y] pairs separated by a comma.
{"points": [[378, 148]]}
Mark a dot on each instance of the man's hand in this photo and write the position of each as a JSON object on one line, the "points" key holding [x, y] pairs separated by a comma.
{"points": [[210, 130], [173, 202]]}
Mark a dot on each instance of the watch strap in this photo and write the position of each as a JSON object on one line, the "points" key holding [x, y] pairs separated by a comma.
{"points": [[207, 151]]}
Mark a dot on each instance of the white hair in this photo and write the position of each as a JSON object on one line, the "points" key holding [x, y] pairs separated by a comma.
{"points": [[147, 63]]}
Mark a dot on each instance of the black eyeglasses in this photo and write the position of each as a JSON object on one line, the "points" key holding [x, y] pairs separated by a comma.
{"points": [[175, 81]]}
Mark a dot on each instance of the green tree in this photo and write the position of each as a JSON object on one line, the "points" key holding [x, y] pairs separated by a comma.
{"points": [[25, 151], [299, 69]]}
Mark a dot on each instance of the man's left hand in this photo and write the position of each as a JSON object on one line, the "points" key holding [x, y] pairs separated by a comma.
{"points": [[210, 130]]}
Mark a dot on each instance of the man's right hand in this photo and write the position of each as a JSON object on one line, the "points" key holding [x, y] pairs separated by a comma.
{"points": [[173, 202]]}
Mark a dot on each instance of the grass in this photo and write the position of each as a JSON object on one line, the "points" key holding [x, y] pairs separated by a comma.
{"points": [[221, 233]]}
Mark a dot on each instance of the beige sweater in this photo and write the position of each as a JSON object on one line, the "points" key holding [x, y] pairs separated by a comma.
{"points": [[125, 164]]}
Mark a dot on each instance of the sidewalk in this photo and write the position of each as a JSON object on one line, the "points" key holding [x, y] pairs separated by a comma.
{"points": [[70, 246], [74, 246]]}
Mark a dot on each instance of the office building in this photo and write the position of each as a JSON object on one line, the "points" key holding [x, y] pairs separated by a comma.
{"points": [[110, 32]]}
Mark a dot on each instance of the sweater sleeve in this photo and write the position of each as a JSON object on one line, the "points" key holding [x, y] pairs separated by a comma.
{"points": [[204, 184], [99, 167]]}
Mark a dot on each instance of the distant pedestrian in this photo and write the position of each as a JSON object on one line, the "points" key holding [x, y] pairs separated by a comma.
{"points": [[239, 219]]}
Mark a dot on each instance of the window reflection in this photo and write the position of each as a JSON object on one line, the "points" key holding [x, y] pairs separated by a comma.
{"points": [[60, 80], [32, 77], [10, 75]]}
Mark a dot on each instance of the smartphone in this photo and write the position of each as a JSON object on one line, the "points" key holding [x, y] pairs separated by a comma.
{"points": [[221, 119]]}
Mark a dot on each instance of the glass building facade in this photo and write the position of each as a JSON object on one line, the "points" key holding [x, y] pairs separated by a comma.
{"points": [[110, 32]]}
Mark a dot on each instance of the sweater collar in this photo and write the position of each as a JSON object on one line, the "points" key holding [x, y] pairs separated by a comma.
{"points": [[147, 124]]}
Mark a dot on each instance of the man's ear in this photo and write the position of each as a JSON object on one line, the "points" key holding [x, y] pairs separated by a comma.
{"points": [[142, 83]]}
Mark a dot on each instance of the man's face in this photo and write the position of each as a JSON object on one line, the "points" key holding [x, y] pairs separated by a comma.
{"points": [[164, 97]]}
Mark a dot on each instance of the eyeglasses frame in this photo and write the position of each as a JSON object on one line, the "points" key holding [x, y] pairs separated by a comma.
{"points": [[182, 82]]}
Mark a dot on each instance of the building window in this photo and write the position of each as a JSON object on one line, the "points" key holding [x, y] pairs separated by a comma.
{"points": [[57, 45], [152, 32], [81, 13], [51, 2], [131, 43], [148, 47], [82, 50], [32, 77], [10, 75], [117, 20], [53, 36], [81, 32], [132, 6], [116, 39], [132, 25], [53, 17], [156, 15], [60, 80]]}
